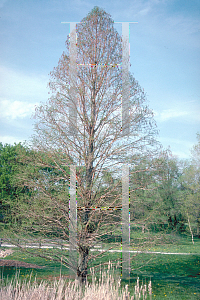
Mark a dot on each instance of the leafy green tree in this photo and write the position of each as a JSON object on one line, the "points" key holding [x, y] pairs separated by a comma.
{"points": [[191, 185], [157, 203], [10, 191], [144, 204], [170, 193]]}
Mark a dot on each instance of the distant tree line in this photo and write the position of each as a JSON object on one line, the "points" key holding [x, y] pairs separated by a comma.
{"points": [[166, 193]]}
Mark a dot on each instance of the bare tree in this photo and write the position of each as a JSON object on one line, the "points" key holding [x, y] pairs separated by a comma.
{"points": [[80, 129]]}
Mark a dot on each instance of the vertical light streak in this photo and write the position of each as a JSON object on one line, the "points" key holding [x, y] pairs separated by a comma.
{"points": [[73, 80], [125, 222], [73, 218], [125, 79]]}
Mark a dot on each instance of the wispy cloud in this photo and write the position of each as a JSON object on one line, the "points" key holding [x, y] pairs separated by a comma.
{"points": [[20, 93], [168, 114], [7, 139], [181, 147], [16, 109], [16, 85], [182, 111], [162, 23]]}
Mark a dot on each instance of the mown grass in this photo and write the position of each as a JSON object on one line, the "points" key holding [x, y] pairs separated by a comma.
{"points": [[51, 269], [172, 243], [173, 276]]}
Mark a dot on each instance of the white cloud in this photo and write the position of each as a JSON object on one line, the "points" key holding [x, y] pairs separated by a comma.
{"points": [[180, 148], [182, 111], [16, 109], [168, 114], [20, 93], [182, 154], [173, 29], [10, 140], [144, 11], [15, 84]]}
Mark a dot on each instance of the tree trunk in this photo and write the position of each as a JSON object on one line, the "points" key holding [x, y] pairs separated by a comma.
{"points": [[198, 223], [190, 229], [84, 249], [143, 227], [198, 229], [82, 264]]}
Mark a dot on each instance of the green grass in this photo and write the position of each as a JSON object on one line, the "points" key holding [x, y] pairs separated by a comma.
{"points": [[177, 277], [173, 276], [52, 269], [169, 243]]}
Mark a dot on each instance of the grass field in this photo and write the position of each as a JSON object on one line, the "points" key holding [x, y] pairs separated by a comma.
{"points": [[173, 276]]}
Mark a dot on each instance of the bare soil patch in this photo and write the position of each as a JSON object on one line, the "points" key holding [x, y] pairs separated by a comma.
{"points": [[15, 263], [19, 264]]}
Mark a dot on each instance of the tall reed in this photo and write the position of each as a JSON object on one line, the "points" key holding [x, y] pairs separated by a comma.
{"points": [[106, 288]]}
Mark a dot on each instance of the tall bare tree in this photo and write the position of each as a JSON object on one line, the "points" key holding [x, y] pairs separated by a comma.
{"points": [[81, 126]]}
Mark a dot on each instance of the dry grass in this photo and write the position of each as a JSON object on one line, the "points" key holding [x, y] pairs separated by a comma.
{"points": [[107, 288], [4, 253]]}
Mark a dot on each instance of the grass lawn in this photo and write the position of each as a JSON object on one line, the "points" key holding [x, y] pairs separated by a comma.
{"points": [[167, 243], [173, 276], [52, 269]]}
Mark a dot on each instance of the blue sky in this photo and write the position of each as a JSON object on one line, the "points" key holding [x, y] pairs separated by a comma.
{"points": [[165, 59]]}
